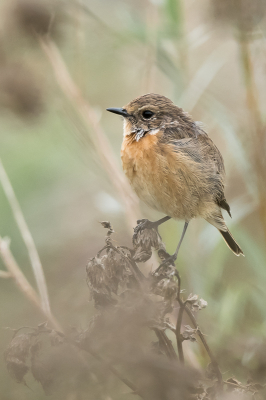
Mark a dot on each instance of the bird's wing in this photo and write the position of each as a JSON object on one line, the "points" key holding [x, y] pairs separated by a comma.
{"points": [[203, 152], [183, 128]]}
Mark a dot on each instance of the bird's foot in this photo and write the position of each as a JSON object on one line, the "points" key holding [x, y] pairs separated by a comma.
{"points": [[144, 224], [169, 261]]}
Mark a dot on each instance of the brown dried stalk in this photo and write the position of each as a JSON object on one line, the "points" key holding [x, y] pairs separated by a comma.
{"points": [[27, 238], [98, 138], [104, 266], [179, 338], [257, 126], [205, 344]]}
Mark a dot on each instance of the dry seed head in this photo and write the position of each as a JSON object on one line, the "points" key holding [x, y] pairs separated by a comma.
{"points": [[243, 14], [36, 17], [20, 90], [143, 241]]}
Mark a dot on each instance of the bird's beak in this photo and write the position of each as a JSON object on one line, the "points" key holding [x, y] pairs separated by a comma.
{"points": [[119, 111]]}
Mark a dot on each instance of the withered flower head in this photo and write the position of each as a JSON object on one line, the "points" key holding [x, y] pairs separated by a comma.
{"points": [[36, 17], [20, 90], [106, 275], [144, 239], [243, 14]]}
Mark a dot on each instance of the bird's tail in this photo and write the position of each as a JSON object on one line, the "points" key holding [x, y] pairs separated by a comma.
{"points": [[231, 243], [219, 223]]}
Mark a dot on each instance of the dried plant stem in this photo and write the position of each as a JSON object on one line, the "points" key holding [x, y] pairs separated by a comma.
{"points": [[205, 344], [27, 238], [164, 341], [21, 281], [166, 344], [15, 272], [179, 338], [98, 138]]}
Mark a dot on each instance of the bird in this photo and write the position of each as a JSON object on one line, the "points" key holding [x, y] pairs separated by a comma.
{"points": [[173, 165]]}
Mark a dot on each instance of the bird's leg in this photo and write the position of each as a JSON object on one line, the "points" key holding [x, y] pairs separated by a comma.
{"points": [[146, 224], [172, 258]]}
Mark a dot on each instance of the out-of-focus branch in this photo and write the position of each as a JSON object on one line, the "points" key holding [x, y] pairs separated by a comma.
{"points": [[98, 138], [257, 126], [15, 272], [5, 274], [27, 238]]}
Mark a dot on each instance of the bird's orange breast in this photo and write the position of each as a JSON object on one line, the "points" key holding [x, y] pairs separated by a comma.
{"points": [[165, 179], [151, 169], [138, 156]]}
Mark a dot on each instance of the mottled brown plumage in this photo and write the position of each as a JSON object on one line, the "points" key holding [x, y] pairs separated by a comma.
{"points": [[172, 164]]}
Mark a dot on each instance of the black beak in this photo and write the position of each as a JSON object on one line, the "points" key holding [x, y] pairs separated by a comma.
{"points": [[119, 111]]}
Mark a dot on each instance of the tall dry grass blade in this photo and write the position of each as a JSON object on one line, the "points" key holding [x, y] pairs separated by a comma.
{"points": [[257, 125], [27, 238], [15, 272], [99, 139]]}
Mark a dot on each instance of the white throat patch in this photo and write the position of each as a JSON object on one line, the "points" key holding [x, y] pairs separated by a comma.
{"points": [[139, 133]]}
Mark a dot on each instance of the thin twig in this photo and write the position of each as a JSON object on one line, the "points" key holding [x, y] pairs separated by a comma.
{"points": [[205, 344], [179, 338], [21, 281], [166, 343], [98, 138], [27, 238]]}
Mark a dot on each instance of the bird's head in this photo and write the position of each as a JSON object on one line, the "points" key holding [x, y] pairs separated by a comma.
{"points": [[147, 115]]}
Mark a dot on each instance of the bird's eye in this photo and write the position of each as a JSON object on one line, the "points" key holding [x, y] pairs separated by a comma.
{"points": [[147, 114]]}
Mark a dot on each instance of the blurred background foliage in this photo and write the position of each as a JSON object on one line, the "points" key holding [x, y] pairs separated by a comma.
{"points": [[209, 57]]}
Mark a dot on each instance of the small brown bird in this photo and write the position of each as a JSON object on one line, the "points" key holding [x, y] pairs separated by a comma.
{"points": [[172, 164]]}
